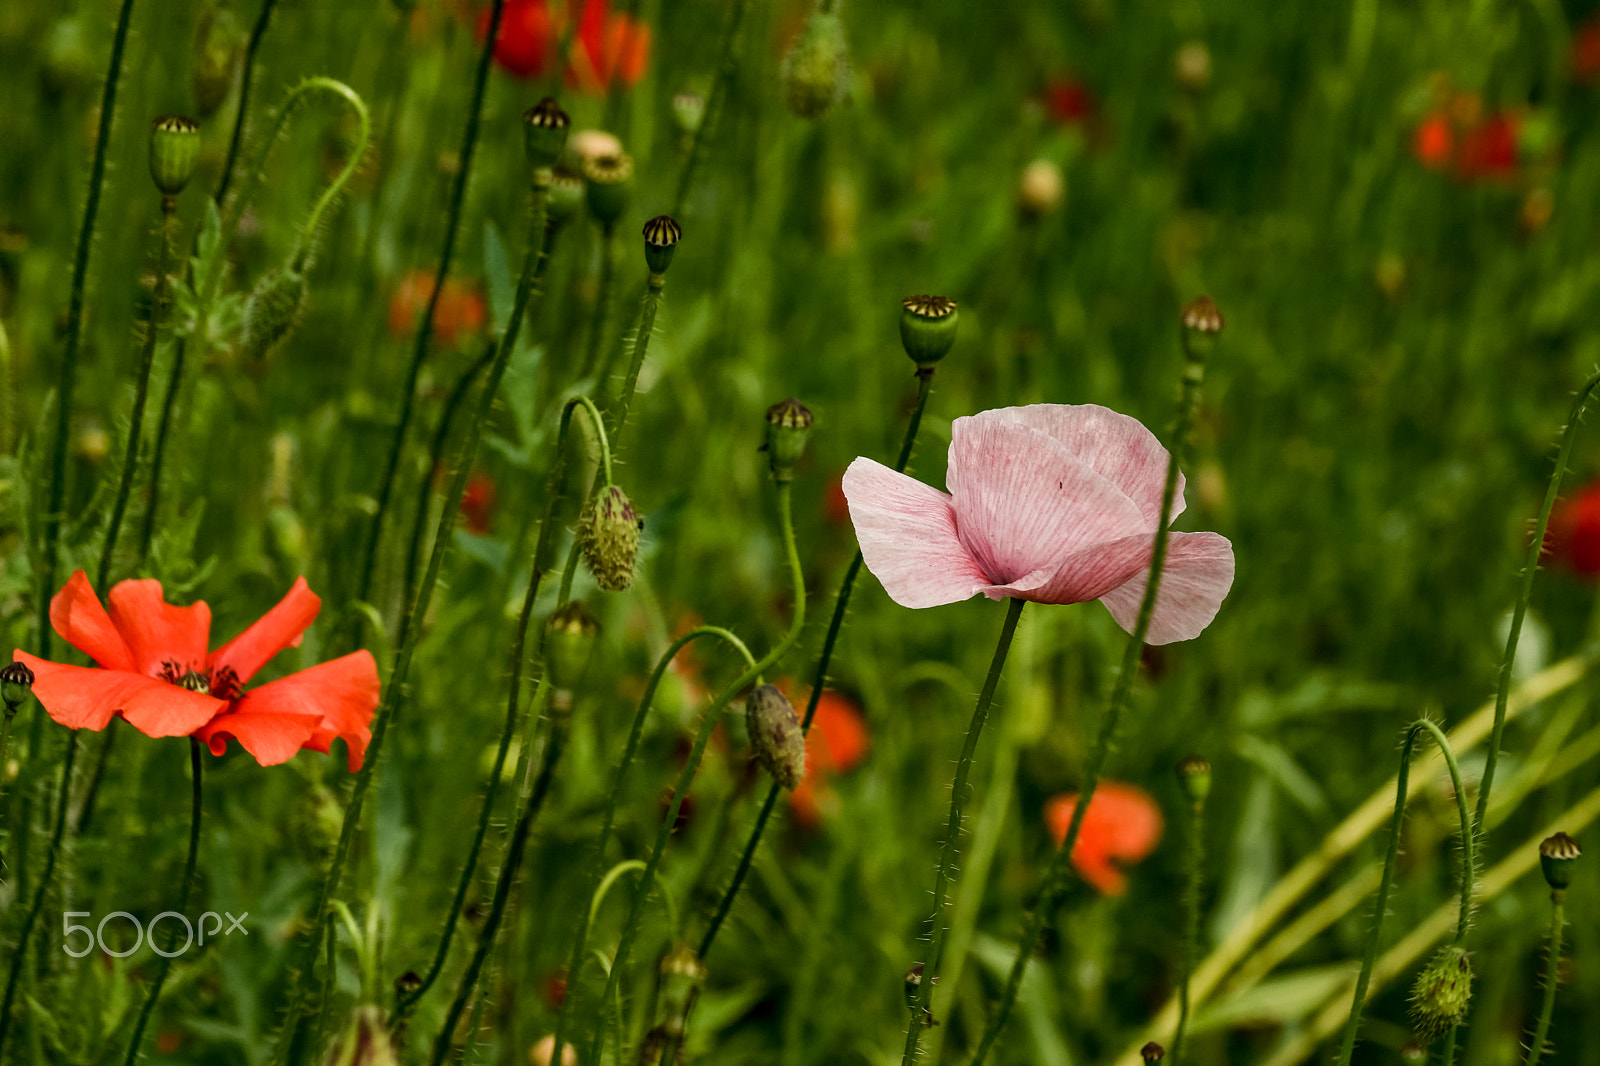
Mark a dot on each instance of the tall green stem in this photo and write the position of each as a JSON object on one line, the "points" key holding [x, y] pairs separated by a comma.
{"points": [[641, 344], [1191, 918], [727, 63], [1552, 974], [952, 831], [602, 303], [245, 80]]}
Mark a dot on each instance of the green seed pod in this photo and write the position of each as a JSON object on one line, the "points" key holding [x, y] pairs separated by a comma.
{"points": [[569, 639], [775, 735], [566, 197], [1194, 774], [272, 311], [219, 43], [928, 328], [608, 182], [661, 236], [788, 425], [174, 151], [1557, 856], [1439, 998], [545, 127], [814, 71], [608, 534], [364, 1041], [688, 111], [16, 682], [1152, 1053], [1202, 316]]}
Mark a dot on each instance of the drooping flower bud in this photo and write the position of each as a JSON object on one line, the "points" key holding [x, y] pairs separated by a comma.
{"points": [[219, 43], [661, 235], [814, 70], [608, 534], [1194, 774], [569, 639], [1439, 998], [174, 151], [364, 1042], [928, 328], [775, 735], [788, 425], [545, 128], [688, 111], [608, 182], [16, 682], [272, 311], [1152, 1053], [1557, 856]]}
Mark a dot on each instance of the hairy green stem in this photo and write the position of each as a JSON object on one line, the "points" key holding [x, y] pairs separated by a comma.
{"points": [[727, 63], [245, 79], [641, 344], [306, 244], [1552, 975], [1194, 860], [602, 302]]}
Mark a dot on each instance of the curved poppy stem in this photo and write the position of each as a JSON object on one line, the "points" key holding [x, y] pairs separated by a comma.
{"points": [[1191, 918], [1464, 918], [306, 246], [1055, 878], [1552, 975], [183, 906]]}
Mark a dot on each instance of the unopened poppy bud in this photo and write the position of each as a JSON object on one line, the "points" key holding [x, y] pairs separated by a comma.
{"points": [[608, 534], [688, 111], [1041, 189], [566, 197], [1194, 774], [272, 311], [16, 682], [788, 425], [775, 735], [174, 151], [814, 69], [364, 1042], [544, 1052], [1557, 856], [219, 43], [661, 236], [1152, 1052], [1439, 998], [608, 181], [545, 127], [928, 328], [569, 639]]}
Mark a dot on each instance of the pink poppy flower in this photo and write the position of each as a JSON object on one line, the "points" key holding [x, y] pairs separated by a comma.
{"points": [[1053, 503]]}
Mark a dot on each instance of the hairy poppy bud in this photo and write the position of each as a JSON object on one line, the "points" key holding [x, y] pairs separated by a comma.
{"points": [[608, 534], [928, 328], [688, 111], [608, 181], [219, 43], [174, 150], [272, 311], [814, 69], [545, 127], [566, 197], [1152, 1052], [16, 682], [775, 735], [365, 1041], [1557, 856], [1194, 774], [661, 236], [1440, 996], [569, 636], [788, 425]]}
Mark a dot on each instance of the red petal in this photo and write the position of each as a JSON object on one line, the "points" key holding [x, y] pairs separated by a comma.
{"points": [[157, 632], [76, 614], [271, 735], [80, 697], [337, 698], [279, 628]]}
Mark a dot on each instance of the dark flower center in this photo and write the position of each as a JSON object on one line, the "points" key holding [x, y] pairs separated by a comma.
{"points": [[222, 684]]}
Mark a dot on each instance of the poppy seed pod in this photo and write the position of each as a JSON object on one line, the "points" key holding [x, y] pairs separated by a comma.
{"points": [[219, 43], [814, 68], [16, 681], [1202, 316], [1194, 774], [608, 534], [1557, 856], [566, 197], [545, 127], [174, 151], [272, 311], [1152, 1052], [569, 638], [688, 111], [775, 735], [928, 327], [661, 236], [1439, 998], [608, 181], [788, 425]]}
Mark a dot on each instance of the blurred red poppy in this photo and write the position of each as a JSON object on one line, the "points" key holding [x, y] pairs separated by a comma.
{"points": [[477, 503], [608, 46], [1489, 149], [529, 31], [1123, 823], [1585, 55], [836, 508], [838, 741], [460, 314], [1573, 536], [1069, 101], [1433, 143]]}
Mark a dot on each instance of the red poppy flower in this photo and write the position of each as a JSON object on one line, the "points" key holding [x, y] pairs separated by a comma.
{"points": [[836, 744], [1489, 150], [461, 311], [1434, 141], [477, 503], [1122, 823], [837, 508], [607, 46], [528, 34], [1573, 536], [1585, 55], [1069, 101], [155, 671]]}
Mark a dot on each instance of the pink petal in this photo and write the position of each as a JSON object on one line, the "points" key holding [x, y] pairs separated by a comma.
{"points": [[907, 532], [1085, 575], [81, 697], [158, 632], [274, 631], [1196, 577], [1023, 502], [76, 614], [1118, 448]]}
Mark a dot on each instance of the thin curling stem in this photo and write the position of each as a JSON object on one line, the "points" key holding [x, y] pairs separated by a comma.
{"points": [[305, 246], [630, 930], [69, 358], [952, 830], [147, 358], [1191, 920], [1055, 877], [727, 62], [1552, 974], [1529, 569], [819, 681], [419, 350], [390, 704], [608, 819], [256, 33], [641, 344], [1380, 906], [167, 956]]}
